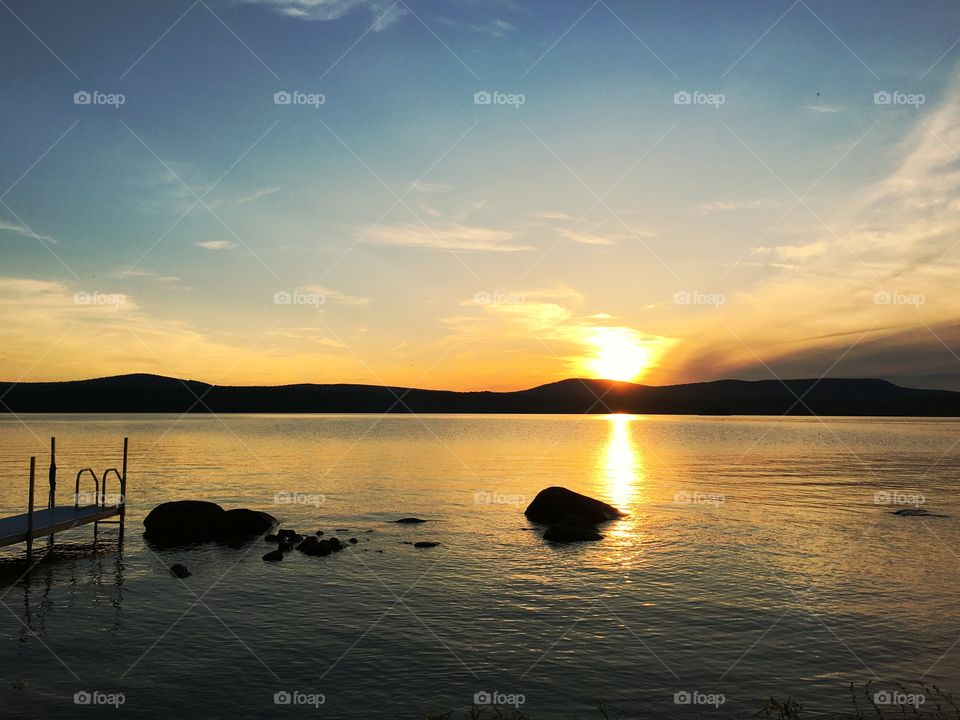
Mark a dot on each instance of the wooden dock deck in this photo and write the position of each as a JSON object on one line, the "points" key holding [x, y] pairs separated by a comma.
{"points": [[45, 522], [16, 529]]}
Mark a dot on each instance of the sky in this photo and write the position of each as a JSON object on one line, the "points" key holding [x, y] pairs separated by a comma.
{"points": [[480, 194]]}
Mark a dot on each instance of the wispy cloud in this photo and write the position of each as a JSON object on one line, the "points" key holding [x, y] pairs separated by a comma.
{"points": [[336, 296], [880, 275], [257, 194], [715, 206], [494, 27], [384, 12], [824, 109], [216, 245], [24, 232], [449, 236], [430, 187]]}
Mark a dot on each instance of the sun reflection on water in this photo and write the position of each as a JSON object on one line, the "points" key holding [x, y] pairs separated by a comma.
{"points": [[622, 464]]}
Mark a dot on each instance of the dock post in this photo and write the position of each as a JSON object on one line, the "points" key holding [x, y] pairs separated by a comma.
{"points": [[123, 489], [33, 468], [52, 500]]}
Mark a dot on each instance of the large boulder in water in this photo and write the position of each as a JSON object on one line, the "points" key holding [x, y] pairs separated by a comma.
{"points": [[182, 522], [235, 526], [556, 504]]}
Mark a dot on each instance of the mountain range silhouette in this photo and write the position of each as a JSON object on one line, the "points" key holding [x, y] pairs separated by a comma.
{"points": [[143, 393]]}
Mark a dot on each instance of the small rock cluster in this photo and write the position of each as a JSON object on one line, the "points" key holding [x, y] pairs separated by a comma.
{"points": [[310, 545]]}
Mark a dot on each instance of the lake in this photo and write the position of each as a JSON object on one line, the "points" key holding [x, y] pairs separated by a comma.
{"points": [[759, 557]]}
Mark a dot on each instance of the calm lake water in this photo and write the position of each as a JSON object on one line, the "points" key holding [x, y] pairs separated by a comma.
{"points": [[755, 561]]}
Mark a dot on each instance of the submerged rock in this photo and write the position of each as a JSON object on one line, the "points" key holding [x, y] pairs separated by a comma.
{"points": [[352, 541], [179, 571], [425, 544], [285, 546], [410, 521], [572, 529], [273, 556], [915, 512], [556, 504]]}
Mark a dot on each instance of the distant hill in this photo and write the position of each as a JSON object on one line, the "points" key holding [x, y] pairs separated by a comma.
{"points": [[157, 394]]}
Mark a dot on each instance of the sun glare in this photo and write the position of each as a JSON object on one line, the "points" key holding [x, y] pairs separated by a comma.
{"points": [[619, 354]]}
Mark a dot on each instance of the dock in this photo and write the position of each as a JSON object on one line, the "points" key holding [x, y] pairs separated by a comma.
{"points": [[96, 507]]}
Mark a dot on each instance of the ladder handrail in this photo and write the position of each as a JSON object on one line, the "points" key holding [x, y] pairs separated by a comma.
{"points": [[103, 496], [96, 480]]}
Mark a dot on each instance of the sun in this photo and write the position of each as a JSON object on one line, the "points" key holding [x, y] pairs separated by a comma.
{"points": [[618, 354]]}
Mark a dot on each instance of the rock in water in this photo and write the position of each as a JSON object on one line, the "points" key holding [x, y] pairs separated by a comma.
{"points": [[410, 521], [425, 544], [273, 556], [235, 526], [555, 504], [179, 571], [285, 546], [915, 512], [289, 535], [182, 522], [572, 529]]}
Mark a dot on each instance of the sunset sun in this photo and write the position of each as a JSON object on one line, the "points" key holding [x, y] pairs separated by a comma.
{"points": [[618, 354]]}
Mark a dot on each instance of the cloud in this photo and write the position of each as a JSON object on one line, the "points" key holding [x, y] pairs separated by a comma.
{"points": [[449, 236], [257, 194], [551, 215], [715, 206], [542, 334], [495, 27], [24, 232], [897, 238], [45, 330], [824, 109], [790, 253], [384, 12], [216, 245], [335, 295], [428, 187]]}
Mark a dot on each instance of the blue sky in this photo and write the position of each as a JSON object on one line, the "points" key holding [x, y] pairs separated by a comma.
{"points": [[426, 239]]}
